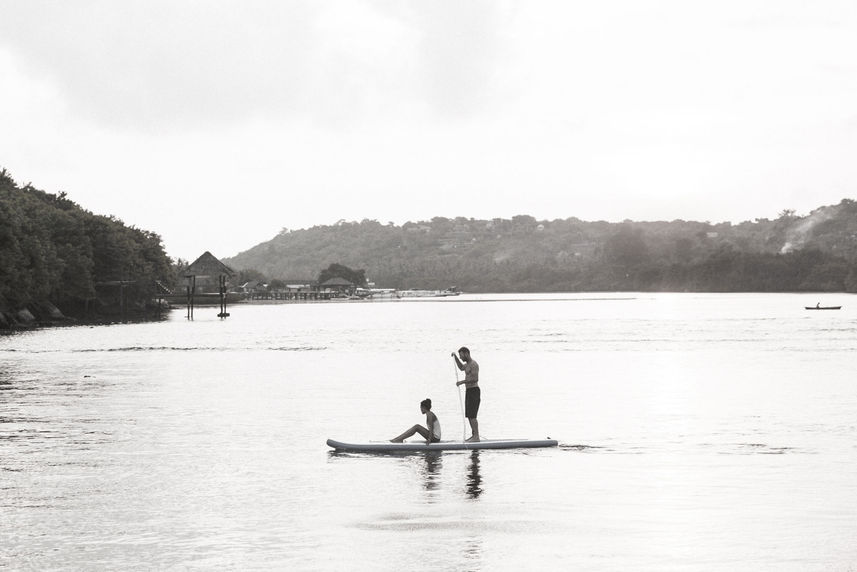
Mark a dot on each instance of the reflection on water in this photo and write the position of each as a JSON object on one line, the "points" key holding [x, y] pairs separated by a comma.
{"points": [[6, 376], [472, 555], [432, 478], [431, 471], [474, 479]]}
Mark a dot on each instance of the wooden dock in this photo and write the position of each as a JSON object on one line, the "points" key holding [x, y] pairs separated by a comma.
{"points": [[288, 296]]}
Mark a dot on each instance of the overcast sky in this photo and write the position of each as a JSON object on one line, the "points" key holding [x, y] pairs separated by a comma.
{"points": [[216, 124]]}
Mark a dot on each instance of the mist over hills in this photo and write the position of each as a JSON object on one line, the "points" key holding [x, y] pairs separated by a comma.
{"points": [[816, 252]]}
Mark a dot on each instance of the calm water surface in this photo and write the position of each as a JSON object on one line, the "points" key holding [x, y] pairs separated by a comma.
{"points": [[697, 432]]}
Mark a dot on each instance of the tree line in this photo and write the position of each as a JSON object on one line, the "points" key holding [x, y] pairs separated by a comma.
{"points": [[52, 250], [816, 252]]}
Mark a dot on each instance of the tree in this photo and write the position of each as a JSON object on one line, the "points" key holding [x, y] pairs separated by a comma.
{"points": [[570, 254], [356, 277], [51, 250], [249, 275], [627, 247]]}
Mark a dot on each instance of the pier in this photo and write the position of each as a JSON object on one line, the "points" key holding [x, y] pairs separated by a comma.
{"points": [[288, 296]]}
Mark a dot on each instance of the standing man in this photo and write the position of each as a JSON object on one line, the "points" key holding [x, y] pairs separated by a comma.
{"points": [[472, 397]]}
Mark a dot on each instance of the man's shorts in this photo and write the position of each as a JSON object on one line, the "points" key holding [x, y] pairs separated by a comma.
{"points": [[472, 398]]}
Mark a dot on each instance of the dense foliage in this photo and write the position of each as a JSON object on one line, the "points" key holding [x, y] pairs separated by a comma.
{"points": [[53, 250], [356, 277], [816, 252]]}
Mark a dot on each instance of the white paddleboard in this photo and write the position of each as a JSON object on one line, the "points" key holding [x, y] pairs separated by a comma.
{"points": [[386, 446]]}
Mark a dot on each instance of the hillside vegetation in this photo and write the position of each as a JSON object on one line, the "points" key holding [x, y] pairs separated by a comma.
{"points": [[52, 250], [816, 252]]}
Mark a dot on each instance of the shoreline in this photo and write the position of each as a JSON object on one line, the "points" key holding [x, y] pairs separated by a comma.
{"points": [[45, 314]]}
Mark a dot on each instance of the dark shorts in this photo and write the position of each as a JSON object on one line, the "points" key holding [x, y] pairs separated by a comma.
{"points": [[472, 398]]}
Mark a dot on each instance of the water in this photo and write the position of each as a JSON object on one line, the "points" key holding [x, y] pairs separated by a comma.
{"points": [[697, 432]]}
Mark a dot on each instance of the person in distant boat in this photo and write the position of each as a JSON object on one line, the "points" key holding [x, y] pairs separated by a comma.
{"points": [[431, 432], [472, 395], [818, 305]]}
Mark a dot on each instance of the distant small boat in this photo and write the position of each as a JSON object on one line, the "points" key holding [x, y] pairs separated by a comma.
{"points": [[823, 307]]}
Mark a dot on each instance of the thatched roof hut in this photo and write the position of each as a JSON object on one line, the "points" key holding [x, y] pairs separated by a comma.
{"points": [[208, 265], [337, 282]]}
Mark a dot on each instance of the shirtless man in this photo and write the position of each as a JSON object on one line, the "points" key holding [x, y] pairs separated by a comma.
{"points": [[472, 397]]}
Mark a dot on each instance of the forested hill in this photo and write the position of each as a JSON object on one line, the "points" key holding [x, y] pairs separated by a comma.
{"points": [[817, 252], [52, 250]]}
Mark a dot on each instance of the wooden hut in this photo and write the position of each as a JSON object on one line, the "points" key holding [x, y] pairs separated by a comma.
{"points": [[338, 285], [207, 277]]}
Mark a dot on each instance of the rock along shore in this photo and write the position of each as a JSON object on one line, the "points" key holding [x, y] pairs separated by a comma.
{"points": [[32, 315]]}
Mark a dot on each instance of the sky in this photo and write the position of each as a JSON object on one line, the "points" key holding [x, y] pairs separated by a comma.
{"points": [[217, 124]]}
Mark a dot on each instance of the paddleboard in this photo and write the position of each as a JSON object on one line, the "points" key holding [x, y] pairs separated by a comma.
{"points": [[386, 446]]}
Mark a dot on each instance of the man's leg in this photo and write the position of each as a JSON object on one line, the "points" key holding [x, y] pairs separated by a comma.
{"points": [[474, 428]]}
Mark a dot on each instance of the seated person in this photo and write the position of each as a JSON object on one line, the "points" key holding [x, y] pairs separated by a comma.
{"points": [[430, 434]]}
